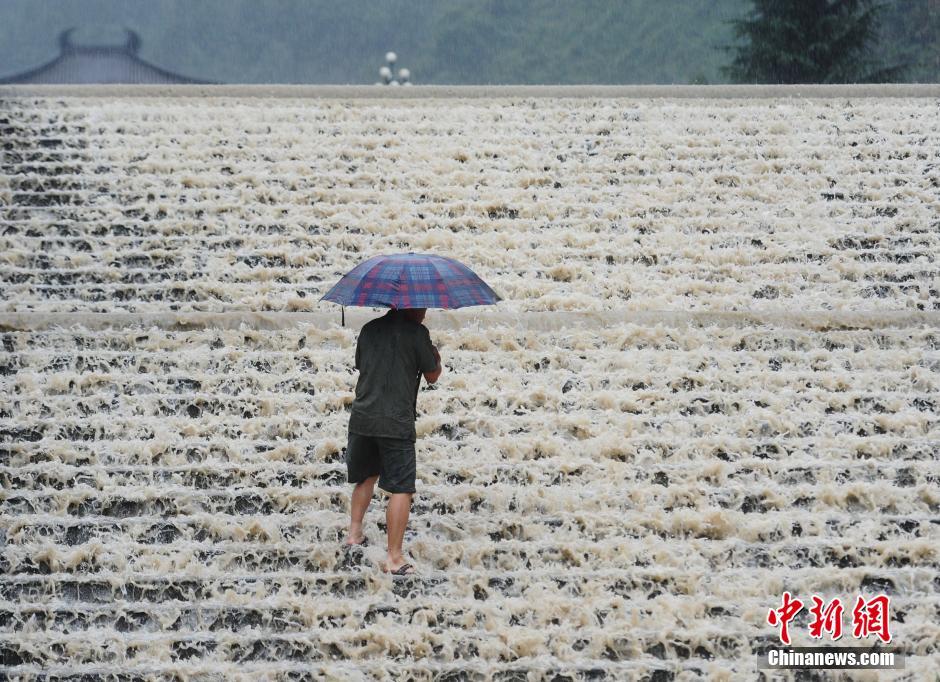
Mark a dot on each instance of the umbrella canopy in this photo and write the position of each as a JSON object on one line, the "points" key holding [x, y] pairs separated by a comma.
{"points": [[411, 280]]}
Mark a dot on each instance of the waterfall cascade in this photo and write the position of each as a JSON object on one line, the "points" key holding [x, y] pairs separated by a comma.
{"points": [[713, 379]]}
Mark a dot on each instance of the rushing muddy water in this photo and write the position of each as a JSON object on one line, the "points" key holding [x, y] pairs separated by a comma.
{"points": [[737, 396]]}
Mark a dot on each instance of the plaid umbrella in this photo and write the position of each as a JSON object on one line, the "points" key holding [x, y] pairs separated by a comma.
{"points": [[411, 280]]}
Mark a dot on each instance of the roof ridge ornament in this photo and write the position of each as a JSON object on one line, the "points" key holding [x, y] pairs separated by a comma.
{"points": [[131, 43]]}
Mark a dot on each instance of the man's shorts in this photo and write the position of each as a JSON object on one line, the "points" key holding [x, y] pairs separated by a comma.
{"points": [[392, 459]]}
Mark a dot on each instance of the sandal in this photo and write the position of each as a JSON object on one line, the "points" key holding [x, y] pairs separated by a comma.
{"points": [[403, 570], [364, 543]]}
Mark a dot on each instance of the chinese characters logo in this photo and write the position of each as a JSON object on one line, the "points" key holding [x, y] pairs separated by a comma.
{"points": [[868, 617]]}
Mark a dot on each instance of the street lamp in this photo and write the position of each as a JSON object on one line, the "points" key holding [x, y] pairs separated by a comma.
{"points": [[387, 72]]}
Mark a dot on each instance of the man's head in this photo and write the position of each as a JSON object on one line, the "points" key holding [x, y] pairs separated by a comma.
{"points": [[415, 314]]}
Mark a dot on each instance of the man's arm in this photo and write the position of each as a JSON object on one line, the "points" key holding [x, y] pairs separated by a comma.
{"points": [[429, 360], [433, 376]]}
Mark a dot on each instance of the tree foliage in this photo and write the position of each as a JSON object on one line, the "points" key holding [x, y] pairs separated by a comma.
{"points": [[809, 41], [910, 34]]}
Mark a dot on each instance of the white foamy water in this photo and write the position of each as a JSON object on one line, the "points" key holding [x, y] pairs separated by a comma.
{"points": [[221, 204], [750, 406]]}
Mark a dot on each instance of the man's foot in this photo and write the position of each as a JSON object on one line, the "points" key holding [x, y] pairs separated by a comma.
{"points": [[404, 569], [361, 541]]}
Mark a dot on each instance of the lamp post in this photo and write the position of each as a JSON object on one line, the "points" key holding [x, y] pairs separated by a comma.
{"points": [[387, 72]]}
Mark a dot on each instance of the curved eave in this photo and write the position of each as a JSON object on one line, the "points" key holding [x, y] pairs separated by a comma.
{"points": [[25, 77], [28, 77]]}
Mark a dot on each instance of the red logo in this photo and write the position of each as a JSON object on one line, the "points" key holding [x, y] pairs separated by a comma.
{"points": [[868, 617], [828, 619], [784, 615], [871, 617]]}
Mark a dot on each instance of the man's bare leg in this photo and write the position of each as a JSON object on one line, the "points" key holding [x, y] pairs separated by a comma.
{"points": [[361, 497], [396, 518]]}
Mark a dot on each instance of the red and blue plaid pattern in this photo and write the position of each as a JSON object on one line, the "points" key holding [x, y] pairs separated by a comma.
{"points": [[412, 280]]}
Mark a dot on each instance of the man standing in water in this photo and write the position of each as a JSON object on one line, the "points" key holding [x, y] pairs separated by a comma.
{"points": [[392, 353]]}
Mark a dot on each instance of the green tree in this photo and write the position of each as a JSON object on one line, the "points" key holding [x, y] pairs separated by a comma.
{"points": [[910, 33], [809, 41]]}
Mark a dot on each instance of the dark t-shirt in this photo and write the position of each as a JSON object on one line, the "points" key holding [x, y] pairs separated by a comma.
{"points": [[391, 354]]}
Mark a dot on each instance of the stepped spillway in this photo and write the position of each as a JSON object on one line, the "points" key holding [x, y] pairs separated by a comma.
{"points": [[713, 379], [233, 204]]}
